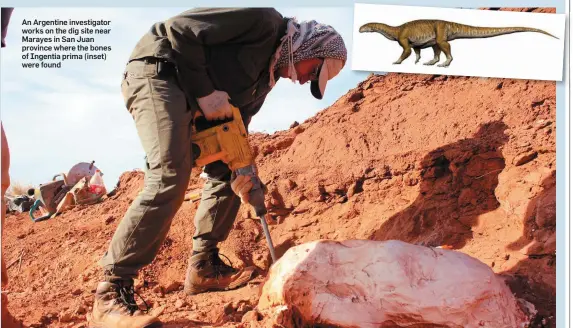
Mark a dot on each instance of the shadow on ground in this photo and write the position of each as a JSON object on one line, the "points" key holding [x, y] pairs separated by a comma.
{"points": [[457, 185]]}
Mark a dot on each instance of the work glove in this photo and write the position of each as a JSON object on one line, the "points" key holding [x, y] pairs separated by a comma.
{"points": [[241, 186], [215, 106]]}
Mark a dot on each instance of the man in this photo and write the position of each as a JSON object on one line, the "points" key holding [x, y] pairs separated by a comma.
{"points": [[200, 60], [7, 319]]}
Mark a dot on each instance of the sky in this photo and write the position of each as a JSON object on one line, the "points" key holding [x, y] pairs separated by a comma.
{"points": [[57, 117]]}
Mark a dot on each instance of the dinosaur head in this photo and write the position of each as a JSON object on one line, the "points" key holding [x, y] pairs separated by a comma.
{"points": [[390, 32], [370, 27]]}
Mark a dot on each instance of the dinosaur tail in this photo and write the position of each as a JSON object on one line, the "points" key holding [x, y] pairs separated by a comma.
{"points": [[460, 31]]}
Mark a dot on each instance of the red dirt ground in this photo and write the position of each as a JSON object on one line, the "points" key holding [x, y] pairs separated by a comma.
{"points": [[466, 162]]}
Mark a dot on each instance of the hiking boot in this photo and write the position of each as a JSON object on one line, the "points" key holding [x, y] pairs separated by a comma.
{"points": [[207, 272], [115, 307]]}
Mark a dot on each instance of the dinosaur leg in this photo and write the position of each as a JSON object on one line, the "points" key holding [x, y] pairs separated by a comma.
{"points": [[445, 47], [436, 59], [407, 51], [417, 51]]}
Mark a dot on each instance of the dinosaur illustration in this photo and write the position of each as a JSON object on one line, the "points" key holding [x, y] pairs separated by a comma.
{"points": [[425, 33]]}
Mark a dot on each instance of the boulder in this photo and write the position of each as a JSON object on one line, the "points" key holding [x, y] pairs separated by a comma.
{"points": [[363, 283]]}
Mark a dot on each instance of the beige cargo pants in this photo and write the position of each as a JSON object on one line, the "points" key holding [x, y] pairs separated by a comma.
{"points": [[163, 120]]}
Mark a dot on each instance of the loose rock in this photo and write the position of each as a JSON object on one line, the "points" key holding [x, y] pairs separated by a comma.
{"points": [[418, 285], [524, 158]]}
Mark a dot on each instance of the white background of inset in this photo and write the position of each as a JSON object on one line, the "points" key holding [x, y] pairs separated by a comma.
{"points": [[524, 55]]}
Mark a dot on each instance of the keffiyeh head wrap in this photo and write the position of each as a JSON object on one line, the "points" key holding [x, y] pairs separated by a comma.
{"points": [[306, 40]]}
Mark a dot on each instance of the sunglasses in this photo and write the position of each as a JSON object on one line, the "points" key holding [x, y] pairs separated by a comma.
{"points": [[314, 75]]}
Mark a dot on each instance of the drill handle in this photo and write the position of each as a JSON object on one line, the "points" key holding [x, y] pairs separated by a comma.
{"points": [[201, 123]]}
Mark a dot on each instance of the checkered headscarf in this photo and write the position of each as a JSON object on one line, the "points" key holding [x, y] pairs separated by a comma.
{"points": [[306, 40]]}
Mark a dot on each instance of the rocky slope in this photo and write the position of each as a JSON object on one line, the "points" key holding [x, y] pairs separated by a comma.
{"points": [[465, 162]]}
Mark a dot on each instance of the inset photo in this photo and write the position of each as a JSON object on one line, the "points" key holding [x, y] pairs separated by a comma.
{"points": [[470, 42]]}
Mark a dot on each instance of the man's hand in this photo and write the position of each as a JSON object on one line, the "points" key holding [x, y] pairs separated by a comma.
{"points": [[241, 186], [216, 106]]}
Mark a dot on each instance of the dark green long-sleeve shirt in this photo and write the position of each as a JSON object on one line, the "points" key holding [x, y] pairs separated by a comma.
{"points": [[223, 49]]}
